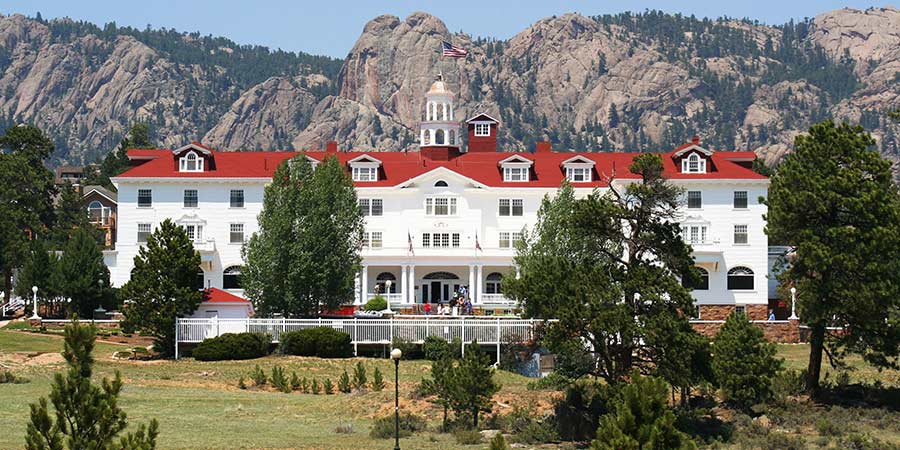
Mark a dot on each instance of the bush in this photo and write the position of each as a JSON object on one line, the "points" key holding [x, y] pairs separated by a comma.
{"points": [[410, 350], [241, 383], [744, 362], [279, 381], [435, 348], [538, 432], [573, 361], [788, 383], [383, 427], [498, 443], [9, 377], [344, 382], [323, 342], [233, 346], [314, 387], [467, 437], [359, 376], [377, 303], [578, 412], [377, 380], [295, 381], [259, 377], [554, 381], [328, 386], [304, 385], [826, 427]]}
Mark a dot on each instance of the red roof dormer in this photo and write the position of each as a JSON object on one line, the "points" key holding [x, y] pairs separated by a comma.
{"points": [[482, 133], [193, 157], [692, 158]]}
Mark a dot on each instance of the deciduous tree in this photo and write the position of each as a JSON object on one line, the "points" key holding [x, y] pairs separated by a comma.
{"points": [[834, 199], [305, 257], [162, 285]]}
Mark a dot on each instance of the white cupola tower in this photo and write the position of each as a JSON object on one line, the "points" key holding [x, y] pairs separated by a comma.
{"points": [[439, 129]]}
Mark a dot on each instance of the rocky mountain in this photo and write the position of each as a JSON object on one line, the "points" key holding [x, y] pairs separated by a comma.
{"points": [[625, 82]]}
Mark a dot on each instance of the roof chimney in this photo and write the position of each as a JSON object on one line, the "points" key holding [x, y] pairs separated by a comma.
{"points": [[542, 147], [331, 147], [695, 140]]}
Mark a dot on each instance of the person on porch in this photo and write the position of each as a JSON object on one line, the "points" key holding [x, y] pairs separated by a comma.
{"points": [[427, 309]]}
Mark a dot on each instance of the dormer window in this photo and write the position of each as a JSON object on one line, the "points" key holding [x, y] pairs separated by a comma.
{"points": [[693, 164], [578, 169], [482, 129], [190, 163], [364, 168], [516, 169]]}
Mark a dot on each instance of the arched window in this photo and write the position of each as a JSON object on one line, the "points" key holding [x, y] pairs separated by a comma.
{"points": [[426, 137], [231, 278], [444, 108], [693, 164], [492, 283], [191, 163], [440, 276], [702, 284], [740, 278], [200, 281], [452, 137], [381, 282], [95, 209], [439, 137], [441, 183]]}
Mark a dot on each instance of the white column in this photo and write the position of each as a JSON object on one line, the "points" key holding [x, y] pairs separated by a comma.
{"points": [[365, 284], [479, 282], [412, 283], [472, 282], [518, 273], [404, 285]]}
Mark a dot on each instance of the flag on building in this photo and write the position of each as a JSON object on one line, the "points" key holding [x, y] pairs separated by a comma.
{"points": [[477, 244], [453, 51], [409, 241]]}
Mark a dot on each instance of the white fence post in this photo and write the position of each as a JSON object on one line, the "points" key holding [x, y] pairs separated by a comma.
{"points": [[498, 342], [177, 336]]}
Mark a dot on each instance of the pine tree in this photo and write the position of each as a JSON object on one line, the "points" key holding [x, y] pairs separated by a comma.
{"points": [[642, 419], [471, 384], [117, 161], [613, 117], [344, 382], [377, 380], [69, 216], [162, 285], [85, 277], [41, 269], [359, 376], [834, 199], [305, 257], [744, 362], [87, 415], [439, 385]]}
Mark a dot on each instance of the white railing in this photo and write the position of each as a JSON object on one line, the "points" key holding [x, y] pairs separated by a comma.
{"points": [[391, 298], [491, 331], [495, 299], [14, 304]]}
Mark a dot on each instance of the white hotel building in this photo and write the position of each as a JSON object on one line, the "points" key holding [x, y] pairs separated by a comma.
{"points": [[448, 199]]}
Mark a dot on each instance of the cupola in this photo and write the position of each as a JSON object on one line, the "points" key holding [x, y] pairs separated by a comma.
{"points": [[439, 131]]}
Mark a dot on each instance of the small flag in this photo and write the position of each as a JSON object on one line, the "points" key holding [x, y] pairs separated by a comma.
{"points": [[477, 244], [409, 240], [453, 51]]}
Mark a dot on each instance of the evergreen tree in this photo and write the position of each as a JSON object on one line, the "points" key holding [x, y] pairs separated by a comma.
{"points": [[613, 117], [608, 267], [69, 215], [87, 415], [471, 384], [682, 354], [834, 199], [305, 257], [642, 419], [117, 161], [41, 269], [744, 362], [26, 193], [439, 385], [162, 285], [85, 278]]}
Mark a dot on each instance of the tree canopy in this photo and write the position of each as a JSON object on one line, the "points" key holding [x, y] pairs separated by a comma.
{"points": [[85, 278], [116, 162], [305, 257], [834, 200]]}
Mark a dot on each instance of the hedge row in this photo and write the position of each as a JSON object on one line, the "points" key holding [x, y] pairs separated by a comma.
{"points": [[233, 346], [322, 342]]}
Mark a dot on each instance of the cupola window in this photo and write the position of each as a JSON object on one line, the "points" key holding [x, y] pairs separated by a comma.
{"points": [[191, 163], [482, 129], [693, 164]]}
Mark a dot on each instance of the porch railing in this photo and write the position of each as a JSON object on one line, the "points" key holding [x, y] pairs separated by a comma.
{"points": [[490, 331], [391, 298]]}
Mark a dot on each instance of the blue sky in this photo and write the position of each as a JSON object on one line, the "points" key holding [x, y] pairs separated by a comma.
{"points": [[331, 26]]}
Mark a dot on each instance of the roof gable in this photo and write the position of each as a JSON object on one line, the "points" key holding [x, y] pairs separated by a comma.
{"points": [[516, 159], [578, 159], [196, 146], [441, 172], [364, 158], [687, 148], [482, 117]]}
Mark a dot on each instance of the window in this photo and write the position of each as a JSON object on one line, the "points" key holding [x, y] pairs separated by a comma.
{"points": [[200, 281], [372, 239], [236, 233], [482, 129], [441, 183], [740, 279], [492, 283], [578, 174], [693, 164], [143, 231], [440, 240], [509, 239], [694, 234], [371, 206], [452, 136], [190, 163], [740, 234], [695, 200], [515, 174], [439, 137], [194, 232], [97, 213], [511, 206], [237, 198], [702, 284], [231, 278], [740, 309], [440, 206], [426, 137], [740, 199], [365, 174], [190, 198], [382, 279], [145, 198]]}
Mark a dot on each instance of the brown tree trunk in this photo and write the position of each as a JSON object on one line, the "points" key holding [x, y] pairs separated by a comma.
{"points": [[816, 348]]}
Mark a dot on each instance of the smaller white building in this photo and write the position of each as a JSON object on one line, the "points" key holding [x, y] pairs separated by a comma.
{"points": [[222, 305]]}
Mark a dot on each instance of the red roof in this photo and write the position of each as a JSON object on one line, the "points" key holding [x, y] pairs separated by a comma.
{"points": [[399, 167], [216, 295]]}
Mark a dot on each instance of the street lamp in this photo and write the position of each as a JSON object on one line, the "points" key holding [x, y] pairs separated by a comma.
{"points": [[34, 314], [395, 355], [793, 304], [387, 293]]}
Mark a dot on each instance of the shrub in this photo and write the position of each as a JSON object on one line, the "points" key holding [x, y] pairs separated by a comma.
{"points": [[538, 432], [344, 382], [744, 363], [304, 385], [377, 303], [435, 348], [259, 377], [233, 346], [328, 386], [410, 350], [826, 427], [279, 381], [295, 381], [9, 377], [314, 387], [554, 381], [498, 443], [377, 380], [323, 342], [573, 360], [578, 412], [359, 376], [241, 383], [467, 437], [788, 383], [383, 427]]}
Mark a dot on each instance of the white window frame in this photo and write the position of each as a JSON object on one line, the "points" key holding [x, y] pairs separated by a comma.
{"points": [[231, 203], [574, 171], [693, 163], [699, 198], [235, 229], [746, 199], [482, 129], [431, 206], [190, 162], [196, 198], [373, 239], [741, 233], [367, 207], [149, 195], [518, 173], [367, 172], [695, 233], [511, 206], [144, 230], [508, 239], [443, 239], [194, 231]]}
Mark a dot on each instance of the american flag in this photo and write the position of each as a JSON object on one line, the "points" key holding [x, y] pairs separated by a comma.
{"points": [[477, 244], [409, 240], [453, 51]]}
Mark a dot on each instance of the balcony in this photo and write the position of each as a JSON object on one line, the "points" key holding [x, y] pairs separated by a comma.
{"points": [[393, 299], [495, 299]]}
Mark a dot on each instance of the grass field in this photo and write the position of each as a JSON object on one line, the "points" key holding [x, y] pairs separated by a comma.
{"points": [[199, 405]]}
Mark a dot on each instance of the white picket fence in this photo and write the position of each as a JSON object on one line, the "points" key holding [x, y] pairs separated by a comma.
{"points": [[485, 330]]}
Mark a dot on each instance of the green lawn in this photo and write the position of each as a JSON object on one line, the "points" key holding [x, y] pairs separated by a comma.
{"points": [[199, 405]]}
